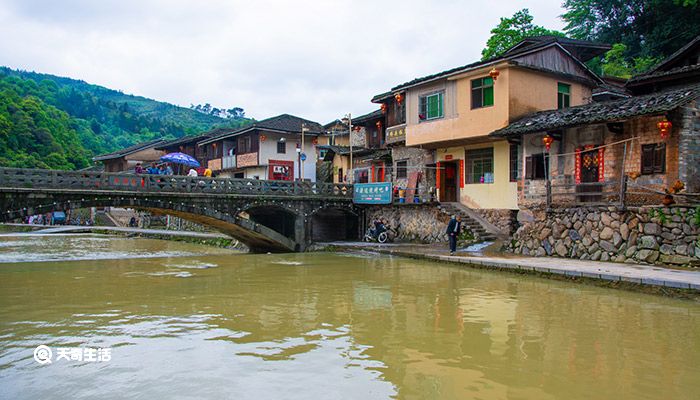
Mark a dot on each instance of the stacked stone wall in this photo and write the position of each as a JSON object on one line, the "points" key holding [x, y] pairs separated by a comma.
{"points": [[504, 220], [418, 223], [652, 235]]}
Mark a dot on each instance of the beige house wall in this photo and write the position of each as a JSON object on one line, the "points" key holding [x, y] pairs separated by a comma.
{"points": [[532, 91], [517, 92], [501, 194]]}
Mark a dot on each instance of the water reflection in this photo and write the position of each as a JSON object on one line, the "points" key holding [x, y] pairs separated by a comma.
{"points": [[335, 326]]}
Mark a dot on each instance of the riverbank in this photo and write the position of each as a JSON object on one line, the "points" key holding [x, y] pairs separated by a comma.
{"points": [[206, 238], [646, 278]]}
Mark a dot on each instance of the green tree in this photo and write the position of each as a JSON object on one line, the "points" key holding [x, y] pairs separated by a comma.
{"points": [[512, 30], [649, 29]]}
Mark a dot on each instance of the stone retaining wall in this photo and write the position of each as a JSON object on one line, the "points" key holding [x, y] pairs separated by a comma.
{"points": [[653, 235], [504, 220], [421, 223]]}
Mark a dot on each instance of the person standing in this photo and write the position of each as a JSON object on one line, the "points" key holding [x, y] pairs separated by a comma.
{"points": [[192, 172], [138, 169], [454, 227]]}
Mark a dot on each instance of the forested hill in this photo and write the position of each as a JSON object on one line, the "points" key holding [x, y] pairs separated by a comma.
{"points": [[48, 121]]}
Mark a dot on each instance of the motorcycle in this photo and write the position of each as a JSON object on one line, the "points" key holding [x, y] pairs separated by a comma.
{"points": [[378, 234]]}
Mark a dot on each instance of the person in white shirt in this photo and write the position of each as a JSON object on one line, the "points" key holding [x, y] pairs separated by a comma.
{"points": [[193, 172]]}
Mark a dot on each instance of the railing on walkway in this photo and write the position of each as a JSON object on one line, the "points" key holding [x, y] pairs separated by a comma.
{"points": [[55, 179], [586, 193]]}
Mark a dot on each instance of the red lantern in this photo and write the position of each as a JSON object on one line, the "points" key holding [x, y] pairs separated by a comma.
{"points": [[664, 128], [494, 73], [398, 97], [314, 141], [383, 107], [379, 125], [547, 140], [263, 138]]}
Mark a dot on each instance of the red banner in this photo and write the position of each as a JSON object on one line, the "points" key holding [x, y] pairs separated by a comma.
{"points": [[437, 176], [577, 173], [601, 164], [461, 174]]}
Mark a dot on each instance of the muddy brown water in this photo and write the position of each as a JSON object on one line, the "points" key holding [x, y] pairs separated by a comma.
{"points": [[190, 321]]}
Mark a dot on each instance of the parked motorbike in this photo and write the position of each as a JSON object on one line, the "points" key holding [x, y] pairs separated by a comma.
{"points": [[377, 234]]}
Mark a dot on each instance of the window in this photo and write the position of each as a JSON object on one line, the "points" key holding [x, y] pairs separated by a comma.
{"points": [[281, 147], [534, 167], [430, 106], [340, 175], [322, 153], [480, 166], [482, 92], [244, 145], [653, 158], [401, 169], [563, 95], [514, 162]]}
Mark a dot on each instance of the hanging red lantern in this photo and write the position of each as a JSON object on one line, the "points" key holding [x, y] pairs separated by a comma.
{"points": [[398, 97], [664, 128], [314, 141], [263, 138], [547, 140], [494, 73], [383, 107], [379, 125]]}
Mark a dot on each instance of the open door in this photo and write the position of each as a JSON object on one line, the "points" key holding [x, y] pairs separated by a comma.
{"points": [[449, 182]]}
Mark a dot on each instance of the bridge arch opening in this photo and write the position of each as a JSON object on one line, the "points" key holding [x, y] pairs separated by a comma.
{"points": [[334, 224], [279, 219]]}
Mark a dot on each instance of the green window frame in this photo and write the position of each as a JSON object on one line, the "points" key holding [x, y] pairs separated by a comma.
{"points": [[431, 106], [482, 92], [563, 95]]}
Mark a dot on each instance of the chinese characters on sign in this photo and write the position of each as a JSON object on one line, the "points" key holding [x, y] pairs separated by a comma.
{"points": [[373, 193], [44, 355]]}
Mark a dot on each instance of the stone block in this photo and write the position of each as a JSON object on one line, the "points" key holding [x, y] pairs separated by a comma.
{"points": [[647, 255], [648, 242], [651, 228], [606, 233]]}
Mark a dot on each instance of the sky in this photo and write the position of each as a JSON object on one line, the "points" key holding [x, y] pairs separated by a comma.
{"points": [[315, 59]]}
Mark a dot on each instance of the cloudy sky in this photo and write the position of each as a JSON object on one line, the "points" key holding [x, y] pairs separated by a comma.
{"points": [[315, 59]]}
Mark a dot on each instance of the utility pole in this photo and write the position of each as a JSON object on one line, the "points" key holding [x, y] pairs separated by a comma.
{"points": [[302, 155], [350, 171]]}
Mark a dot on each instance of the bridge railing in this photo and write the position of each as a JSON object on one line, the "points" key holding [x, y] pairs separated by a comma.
{"points": [[106, 181]]}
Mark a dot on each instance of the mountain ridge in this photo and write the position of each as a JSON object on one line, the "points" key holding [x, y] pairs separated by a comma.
{"points": [[50, 121]]}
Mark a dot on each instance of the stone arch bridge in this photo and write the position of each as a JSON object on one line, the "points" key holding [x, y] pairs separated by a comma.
{"points": [[274, 216]]}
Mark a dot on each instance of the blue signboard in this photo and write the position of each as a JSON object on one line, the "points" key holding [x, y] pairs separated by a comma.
{"points": [[373, 193]]}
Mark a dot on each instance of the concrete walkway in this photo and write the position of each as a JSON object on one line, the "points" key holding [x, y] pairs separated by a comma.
{"points": [[52, 229], [634, 273]]}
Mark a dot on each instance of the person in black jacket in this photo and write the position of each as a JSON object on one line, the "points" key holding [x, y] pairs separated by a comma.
{"points": [[454, 227]]}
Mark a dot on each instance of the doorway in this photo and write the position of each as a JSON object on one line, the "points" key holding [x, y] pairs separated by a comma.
{"points": [[589, 190], [449, 182]]}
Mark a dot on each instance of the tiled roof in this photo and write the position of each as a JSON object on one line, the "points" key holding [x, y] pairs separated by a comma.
{"points": [[195, 138], [664, 73], [285, 122], [128, 150], [367, 117], [592, 113], [515, 51]]}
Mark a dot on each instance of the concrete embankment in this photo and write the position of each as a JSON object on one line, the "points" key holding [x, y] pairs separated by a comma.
{"points": [[648, 278]]}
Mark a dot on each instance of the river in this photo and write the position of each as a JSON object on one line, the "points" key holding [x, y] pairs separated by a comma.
{"points": [[185, 321]]}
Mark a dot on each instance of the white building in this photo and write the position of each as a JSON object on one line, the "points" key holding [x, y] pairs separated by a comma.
{"points": [[269, 149]]}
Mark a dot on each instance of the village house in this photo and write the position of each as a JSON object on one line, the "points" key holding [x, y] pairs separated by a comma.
{"points": [[628, 151], [413, 167], [189, 145], [270, 149], [126, 159], [452, 113]]}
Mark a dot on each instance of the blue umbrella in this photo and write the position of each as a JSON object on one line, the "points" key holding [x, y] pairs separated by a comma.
{"points": [[180, 158]]}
